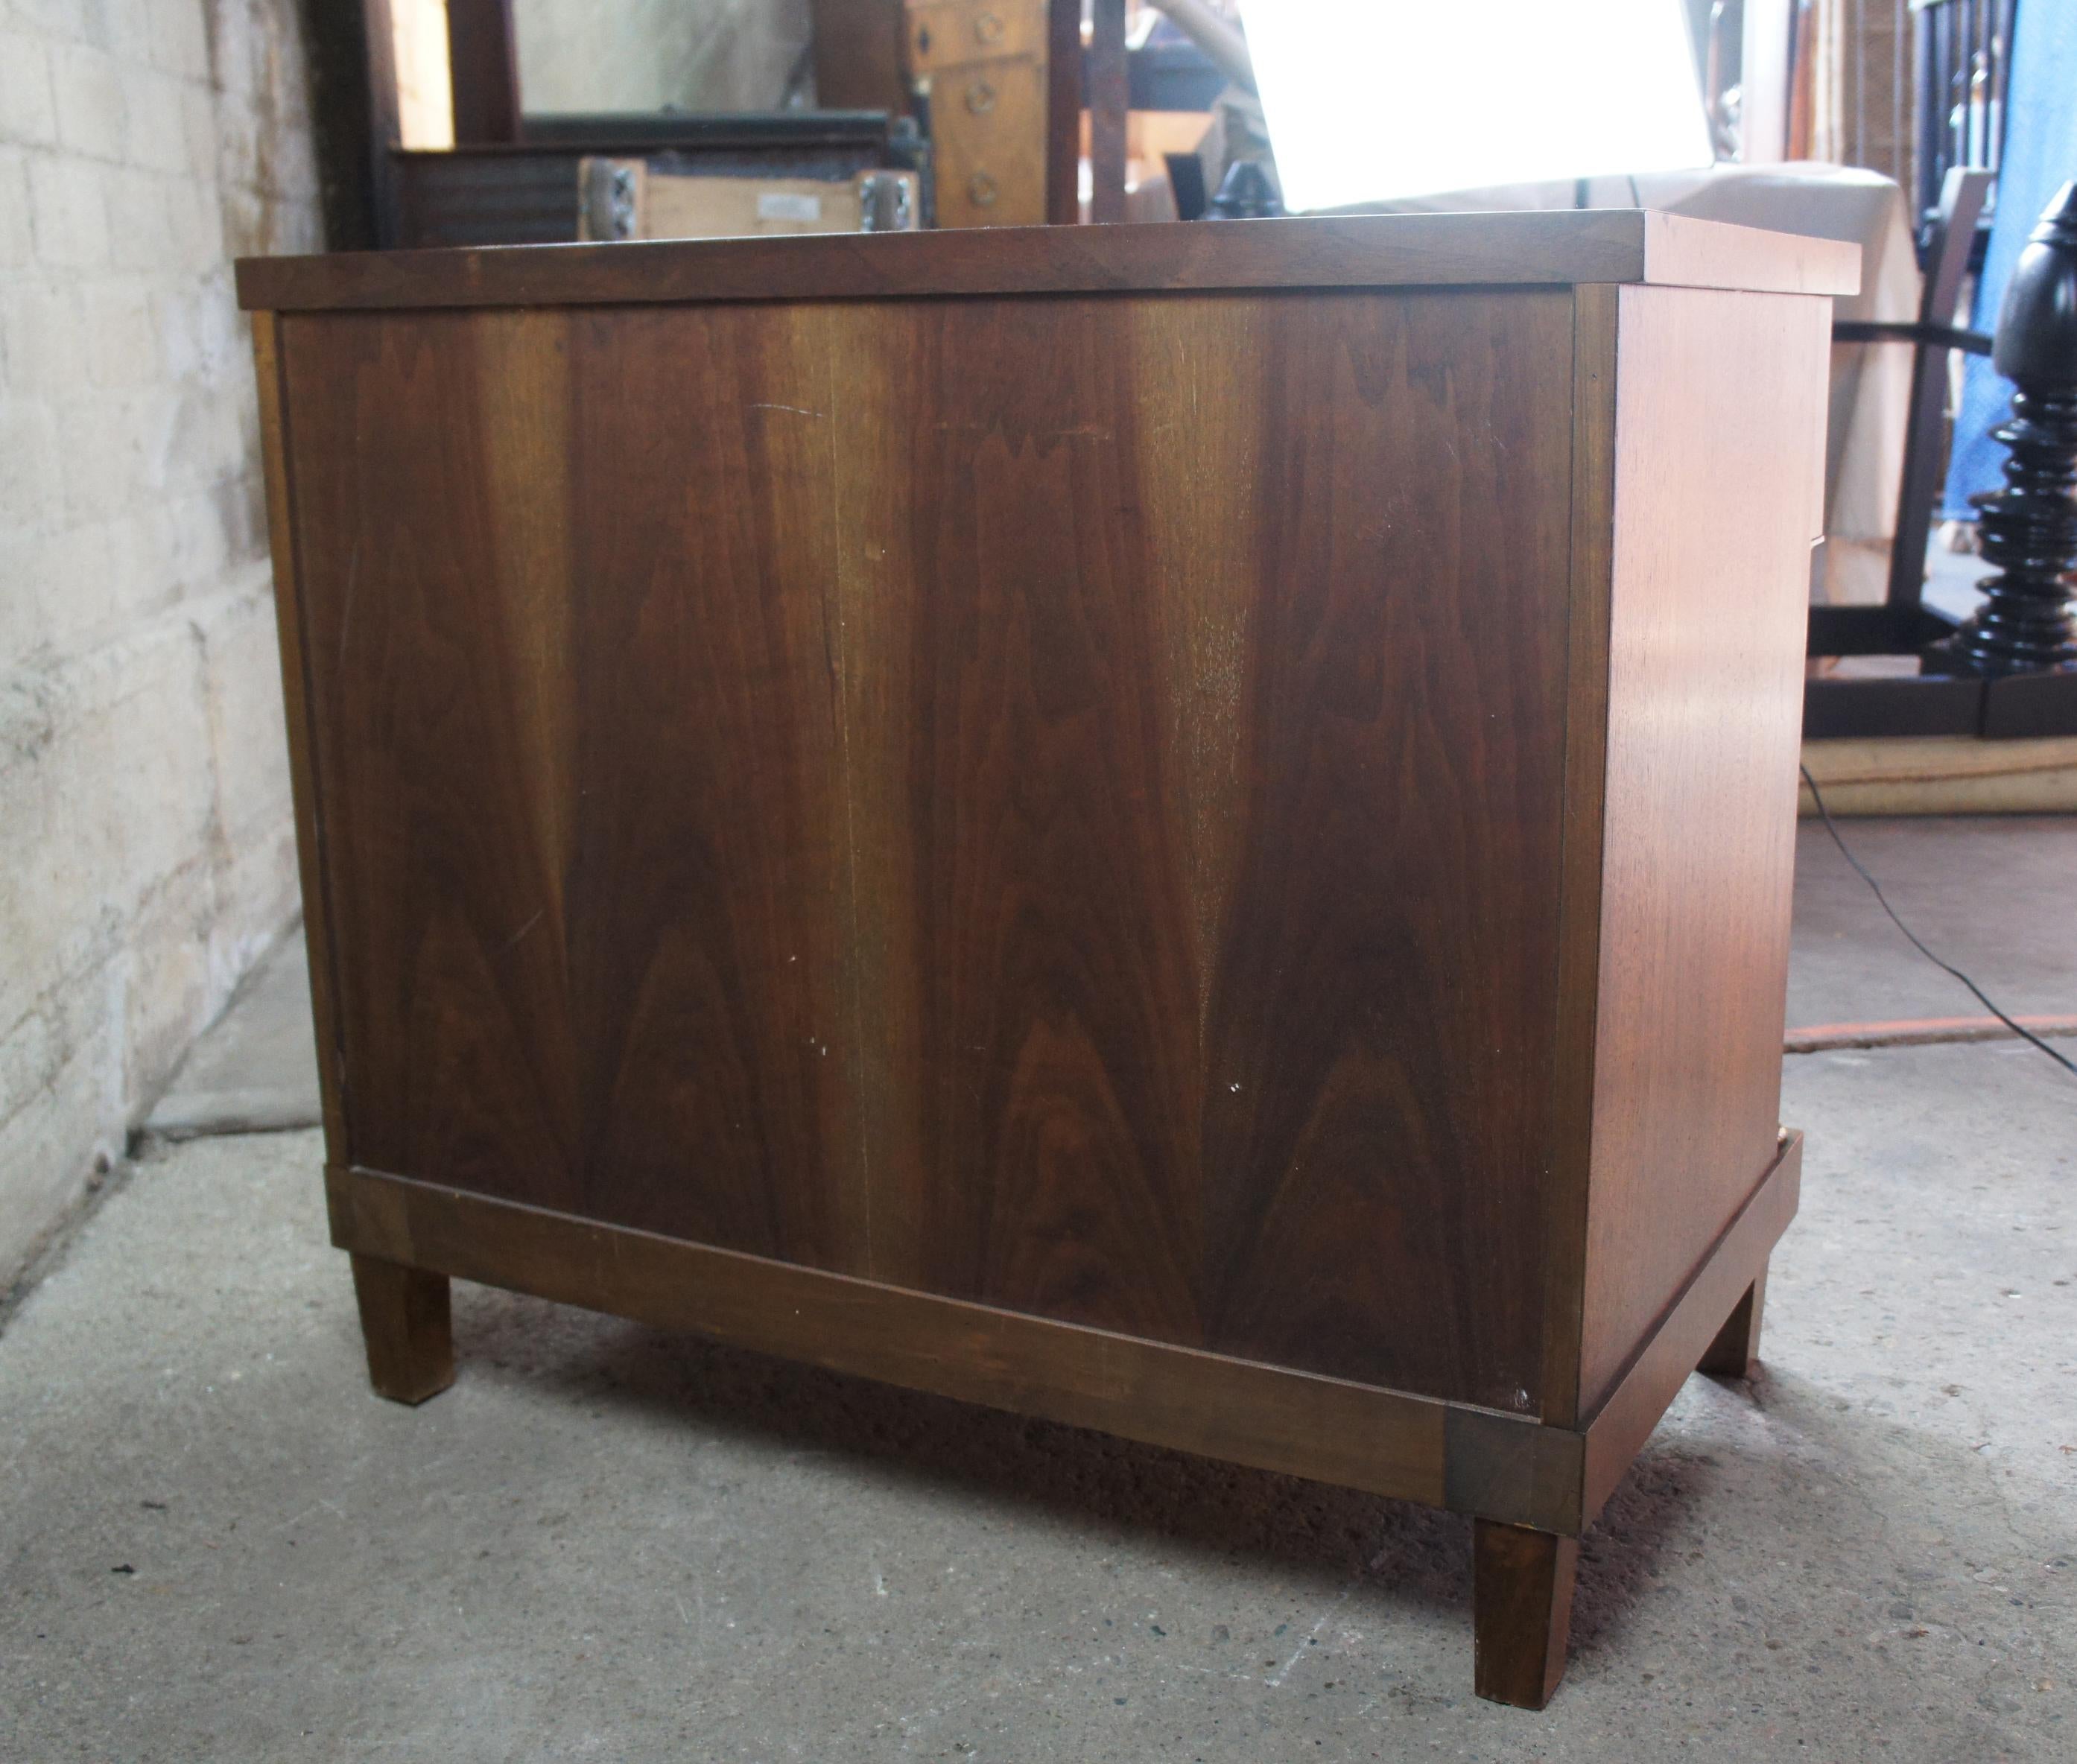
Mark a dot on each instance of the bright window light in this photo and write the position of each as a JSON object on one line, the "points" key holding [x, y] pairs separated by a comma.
{"points": [[1370, 100]]}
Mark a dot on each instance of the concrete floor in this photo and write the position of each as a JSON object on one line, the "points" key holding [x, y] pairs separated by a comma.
{"points": [[215, 1544], [257, 1069], [1996, 896]]}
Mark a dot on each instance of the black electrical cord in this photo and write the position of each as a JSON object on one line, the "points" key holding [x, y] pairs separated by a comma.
{"points": [[1818, 796]]}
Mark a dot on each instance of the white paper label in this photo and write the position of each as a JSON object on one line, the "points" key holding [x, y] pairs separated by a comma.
{"points": [[785, 206]]}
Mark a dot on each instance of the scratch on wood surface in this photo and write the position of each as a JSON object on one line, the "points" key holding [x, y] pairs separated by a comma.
{"points": [[346, 600]]}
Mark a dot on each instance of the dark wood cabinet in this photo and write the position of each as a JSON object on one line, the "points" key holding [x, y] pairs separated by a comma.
{"points": [[1184, 829]]}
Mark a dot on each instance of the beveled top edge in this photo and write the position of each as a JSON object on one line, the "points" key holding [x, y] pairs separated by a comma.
{"points": [[1533, 248], [1681, 251]]}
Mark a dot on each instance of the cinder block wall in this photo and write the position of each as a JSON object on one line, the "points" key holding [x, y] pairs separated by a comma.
{"points": [[146, 844]]}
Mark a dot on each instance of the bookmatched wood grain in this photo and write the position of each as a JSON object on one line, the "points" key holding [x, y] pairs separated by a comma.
{"points": [[572, 663], [719, 1047], [1547, 247], [1164, 799], [795, 779], [1397, 785], [427, 622], [804, 782], [1036, 1083]]}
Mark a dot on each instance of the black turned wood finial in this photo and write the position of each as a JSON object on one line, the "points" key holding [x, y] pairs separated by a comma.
{"points": [[1245, 193], [2029, 527]]}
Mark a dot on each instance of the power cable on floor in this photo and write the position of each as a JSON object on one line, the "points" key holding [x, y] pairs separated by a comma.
{"points": [[1818, 796]]}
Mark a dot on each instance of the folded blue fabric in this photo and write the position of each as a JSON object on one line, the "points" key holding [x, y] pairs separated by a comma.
{"points": [[2040, 157]]}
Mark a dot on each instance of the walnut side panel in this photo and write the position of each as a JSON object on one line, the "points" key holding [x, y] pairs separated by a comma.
{"points": [[1676, 1348], [1719, 438]]}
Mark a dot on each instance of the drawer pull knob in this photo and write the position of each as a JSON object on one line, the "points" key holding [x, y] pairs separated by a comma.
{"points": [[987, 28], [980, 189], [981, 97]]}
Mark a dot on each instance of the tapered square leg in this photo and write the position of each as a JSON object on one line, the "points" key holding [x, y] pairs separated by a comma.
{"points": [[1735, 1352], [1522, 1599], [404, 1320]]}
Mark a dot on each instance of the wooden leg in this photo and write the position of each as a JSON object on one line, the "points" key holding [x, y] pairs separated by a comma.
{"points": [[1522, 1598], [1735, 1352], [404, 1320]]}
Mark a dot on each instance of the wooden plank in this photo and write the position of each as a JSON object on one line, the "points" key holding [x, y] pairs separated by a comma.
{"points": [[1385, 1442], [988, 142], [1919, 1032], [1172, 783], [1374, 251], [1395, 790], [1109, 101], [483, 67], [1063, 112], [1675, 1347], [1720, 414], [858, 55], [1943, 775], [356, 120], [946, 34], [302, 736]]}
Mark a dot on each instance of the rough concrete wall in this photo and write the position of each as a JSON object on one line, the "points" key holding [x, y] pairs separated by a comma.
{"points": [[146, 843], [642, 55]]}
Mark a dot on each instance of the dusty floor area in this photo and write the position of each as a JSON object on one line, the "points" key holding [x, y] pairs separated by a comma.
{"points": [[215, 1544]]}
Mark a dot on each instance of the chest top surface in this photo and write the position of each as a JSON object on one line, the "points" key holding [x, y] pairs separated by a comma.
{"points": [[1533, 248]]}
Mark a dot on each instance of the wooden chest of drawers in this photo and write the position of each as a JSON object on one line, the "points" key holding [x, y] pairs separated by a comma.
{"points": [[1183, 828]]}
